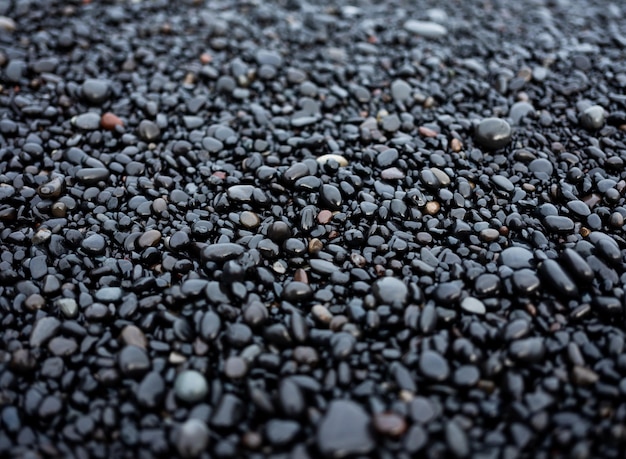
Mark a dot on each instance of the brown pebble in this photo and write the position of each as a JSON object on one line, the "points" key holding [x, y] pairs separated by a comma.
{"points": [[321, 314], [489, 235], [456, 145], [432, 207], [133, 336], [301, 276], [337, 322], [315, 245], [59, 209], [390, 424], [109, 121], [324, 216], [427, 132], [206, 58], [34, 302], [190, 79], [252, 440], [150, 238]]}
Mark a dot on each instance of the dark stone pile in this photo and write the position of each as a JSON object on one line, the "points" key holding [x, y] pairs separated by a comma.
{"points": [[301, 230]]}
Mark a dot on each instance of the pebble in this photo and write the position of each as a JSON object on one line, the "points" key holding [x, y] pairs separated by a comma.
{"points": [[341, 160], [493, 133], [192, 438], [528, 350], [87, 121], [425, 28], [95, 91], [148, 130], [516, 258], [110, 121], [592, 118], [68, 306], [43, 330], [133, 361], [344, 430], [391, 291], [191, 386], [554, 274], [473, 305], [433, 366], [310, 209], [94, 244]]}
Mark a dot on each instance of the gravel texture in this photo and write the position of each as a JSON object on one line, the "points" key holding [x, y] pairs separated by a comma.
{"points": [[299, 229]]}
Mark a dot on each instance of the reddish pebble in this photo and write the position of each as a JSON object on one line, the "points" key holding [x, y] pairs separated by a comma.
{"points": [[109, 121], [427, 132], [389, 424], [205, 58], [324, 216], [301, 276]]}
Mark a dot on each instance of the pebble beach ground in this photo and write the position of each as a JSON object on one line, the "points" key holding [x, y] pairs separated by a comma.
{"points": [[291, 229]]}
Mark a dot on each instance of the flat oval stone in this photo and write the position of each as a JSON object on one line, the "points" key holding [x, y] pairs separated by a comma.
{"points": [[297, 291], [87, 121], [425, 29], [577, 265], [191, 386], [434, 366], [344, 430], [528, 350], [526, 281], [559, 224], [487, 284], [331, 196], [240, 193], [473, 305], [150, 238], [222, 252], [579, 208], [516, 258], [541, 168], [95, 91], [493, 133], [94, 244], [109, 294], [92, 175], [553, 273], [391, 291]]}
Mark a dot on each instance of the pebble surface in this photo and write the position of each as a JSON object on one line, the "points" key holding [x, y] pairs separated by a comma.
{"points": [[312, 229]]}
